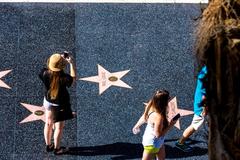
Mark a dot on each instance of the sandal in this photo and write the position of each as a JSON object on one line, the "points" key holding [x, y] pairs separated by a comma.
{"points": [[60, 151], [50, 148]]}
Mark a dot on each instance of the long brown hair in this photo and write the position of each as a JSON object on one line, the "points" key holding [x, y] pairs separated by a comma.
{"points": [[54, 82], [159, 103], [54, 85]]}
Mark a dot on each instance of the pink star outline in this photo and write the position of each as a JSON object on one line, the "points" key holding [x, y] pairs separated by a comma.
{"points": [[107, 79], [174, 110], [34, 116], [2, 74]]}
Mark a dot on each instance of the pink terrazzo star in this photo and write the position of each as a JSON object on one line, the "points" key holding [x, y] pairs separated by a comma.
{"points": [[38, 113], [2, 74], [107, 79], [174, 110]]}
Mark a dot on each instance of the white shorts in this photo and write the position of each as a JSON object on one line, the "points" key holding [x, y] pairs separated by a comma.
{"points": [[197, 121], [48, 105]]}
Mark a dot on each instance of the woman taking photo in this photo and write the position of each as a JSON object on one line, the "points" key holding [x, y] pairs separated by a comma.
{"points": [[56, 99]]}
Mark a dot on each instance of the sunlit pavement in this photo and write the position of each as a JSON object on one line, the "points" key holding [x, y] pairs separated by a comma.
{"points": [[123, 53]]}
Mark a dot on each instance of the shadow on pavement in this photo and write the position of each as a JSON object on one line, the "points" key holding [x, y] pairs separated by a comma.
{"points": [[172, 152], [121, 151]]}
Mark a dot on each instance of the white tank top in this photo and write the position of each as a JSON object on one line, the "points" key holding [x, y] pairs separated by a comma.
{"points": [[149, 138]]}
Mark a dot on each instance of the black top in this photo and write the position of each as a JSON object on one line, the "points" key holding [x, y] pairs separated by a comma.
{"points": [[63, 98]]}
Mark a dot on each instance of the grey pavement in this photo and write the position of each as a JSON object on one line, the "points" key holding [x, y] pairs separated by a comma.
{"points": [[153, 41]]}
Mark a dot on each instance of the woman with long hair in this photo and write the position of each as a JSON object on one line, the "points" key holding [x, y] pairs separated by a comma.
{"points": [[56, 99], [155, 115]]}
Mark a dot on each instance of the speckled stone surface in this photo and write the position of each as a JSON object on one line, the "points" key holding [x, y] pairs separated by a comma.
{"points": [[153, 41]]}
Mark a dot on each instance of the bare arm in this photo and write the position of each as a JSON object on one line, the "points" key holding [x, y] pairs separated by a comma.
{"points": [[171, 124], [141, 120], [72, 67], [73, 70], [139, 123], [158, 129]]}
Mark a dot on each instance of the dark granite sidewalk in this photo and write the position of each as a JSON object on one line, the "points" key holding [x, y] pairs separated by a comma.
{"points": [[153, 41]]}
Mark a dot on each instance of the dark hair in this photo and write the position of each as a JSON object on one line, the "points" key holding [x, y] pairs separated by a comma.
{"points": [[159, 102]]}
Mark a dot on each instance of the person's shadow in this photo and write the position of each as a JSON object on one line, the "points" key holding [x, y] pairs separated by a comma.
{"points": [[119, 150], [122, 151]]}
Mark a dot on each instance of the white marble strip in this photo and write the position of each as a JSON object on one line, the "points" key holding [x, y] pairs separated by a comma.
{"points": [[109, 1]]}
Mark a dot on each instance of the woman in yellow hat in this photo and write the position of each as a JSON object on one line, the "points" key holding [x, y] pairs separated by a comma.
{"points": [[56, 98]]}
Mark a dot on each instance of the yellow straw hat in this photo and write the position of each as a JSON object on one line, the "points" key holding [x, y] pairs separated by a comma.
{"points": [[56, 62]]}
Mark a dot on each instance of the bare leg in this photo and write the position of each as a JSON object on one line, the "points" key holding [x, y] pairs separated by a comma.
{"points": [[58, 134], [147, 156], [48, 127], [161, 154], [186, 134]]}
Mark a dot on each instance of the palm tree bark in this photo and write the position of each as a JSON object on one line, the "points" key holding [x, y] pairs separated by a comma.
{"points": [[218, 47]]}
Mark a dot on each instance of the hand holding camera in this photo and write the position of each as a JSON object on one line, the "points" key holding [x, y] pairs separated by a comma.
{"points": [[174, 119], [67, 56]]}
